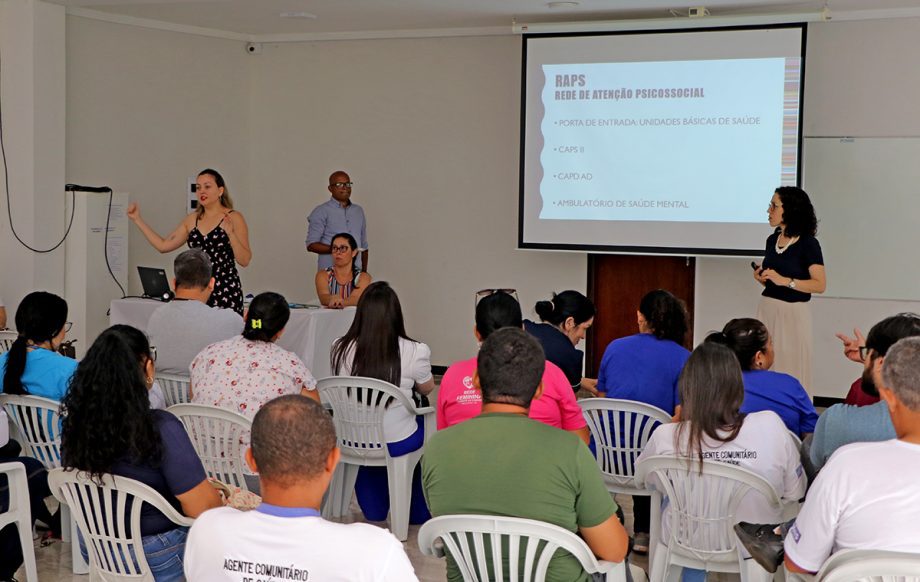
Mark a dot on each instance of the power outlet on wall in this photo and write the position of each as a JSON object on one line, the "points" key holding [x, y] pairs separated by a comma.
{"points": [[192, 195]]}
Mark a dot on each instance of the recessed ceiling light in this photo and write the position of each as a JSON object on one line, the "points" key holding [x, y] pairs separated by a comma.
{"points": [[559, 5], [298, 15]]}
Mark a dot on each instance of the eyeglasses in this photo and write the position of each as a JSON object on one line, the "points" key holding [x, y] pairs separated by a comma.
{"points": [[342, 249], [774, 206], [153, 353], [67, 326], [343, 184], [483, 293], [863, 353]]}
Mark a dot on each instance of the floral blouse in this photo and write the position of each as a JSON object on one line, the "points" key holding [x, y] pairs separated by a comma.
{"points": [[242, 375]]}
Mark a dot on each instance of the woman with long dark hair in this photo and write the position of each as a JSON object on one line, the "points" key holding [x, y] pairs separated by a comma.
{"points": [[644, 367], [565, 321], [791, 271], [341, 284], [712, 427], [32, 365], [215, 227], [246, 371], [377, 346], [109, 427], [765, 389]]}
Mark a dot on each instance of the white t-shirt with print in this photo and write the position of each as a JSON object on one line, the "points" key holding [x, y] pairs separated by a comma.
{"points": [[864, 498], [415, 360], [228, 545], [763, 446]]}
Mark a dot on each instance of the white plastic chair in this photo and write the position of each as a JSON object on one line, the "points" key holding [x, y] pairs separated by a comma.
{"points": [[701, 511], [175, 388], [468, 538], [358, 406], [38, 422], [20, 513], [621, 429], [218, 436], [109, 517], [870, 565], [7, 338]]}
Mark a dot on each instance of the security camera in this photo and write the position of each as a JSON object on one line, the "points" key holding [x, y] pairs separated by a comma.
{"points": [[254, 48]]}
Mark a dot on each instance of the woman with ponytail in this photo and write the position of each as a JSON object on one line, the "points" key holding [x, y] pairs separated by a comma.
{"points": [[32, 365], [109, 427], [765, 389], [566, 319], [244, 372]]}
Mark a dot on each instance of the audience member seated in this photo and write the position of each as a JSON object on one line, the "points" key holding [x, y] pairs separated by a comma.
{"points": [[852, 350], [460, 399], [713, 427], [293, 451], [32, 365], [565, 321], [503, 463], [842, 424], [865, 497], [376, 346], [241, 374], [763, 388], [183, 327], [645, 367], [37, 479], [109, 427], [341, 284]]}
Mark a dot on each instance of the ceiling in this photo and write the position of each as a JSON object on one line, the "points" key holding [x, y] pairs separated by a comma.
{"points": [[263, 17]]}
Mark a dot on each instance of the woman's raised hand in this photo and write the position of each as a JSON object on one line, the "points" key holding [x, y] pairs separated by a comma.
{"points": [[134, 211]]}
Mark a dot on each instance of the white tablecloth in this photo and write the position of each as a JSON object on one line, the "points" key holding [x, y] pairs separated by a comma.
{"points": [[309, 333]]}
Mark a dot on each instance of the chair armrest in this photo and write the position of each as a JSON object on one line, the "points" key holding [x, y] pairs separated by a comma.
{"points": [[612, 571], [18, 486]]}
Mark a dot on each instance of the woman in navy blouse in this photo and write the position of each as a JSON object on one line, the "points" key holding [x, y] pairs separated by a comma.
{"points": [[765, 389], [792, 269], [565, 322]]}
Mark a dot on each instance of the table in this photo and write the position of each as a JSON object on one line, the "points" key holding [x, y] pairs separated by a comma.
{"points": [[309, 333]]}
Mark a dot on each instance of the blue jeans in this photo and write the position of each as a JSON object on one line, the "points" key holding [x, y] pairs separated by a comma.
{"points": [[164, 553]]}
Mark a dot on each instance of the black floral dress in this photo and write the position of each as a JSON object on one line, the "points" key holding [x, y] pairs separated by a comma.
{"points": [[228, 293]]}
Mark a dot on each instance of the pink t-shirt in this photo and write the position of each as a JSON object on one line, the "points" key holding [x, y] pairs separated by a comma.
{"points": [[458, 399]]}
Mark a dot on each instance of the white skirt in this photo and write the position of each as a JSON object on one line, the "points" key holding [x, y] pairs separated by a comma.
{"points": [[790, 327]]}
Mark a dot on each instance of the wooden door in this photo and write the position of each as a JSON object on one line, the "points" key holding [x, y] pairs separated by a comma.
{"points": [[616, 284]]}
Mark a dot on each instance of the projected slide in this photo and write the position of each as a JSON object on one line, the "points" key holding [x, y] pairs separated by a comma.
{"points": [[647, 141], [669, 142]]}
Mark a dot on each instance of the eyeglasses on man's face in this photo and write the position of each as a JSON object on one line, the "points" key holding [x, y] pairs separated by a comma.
{"points": [[343, 184]]}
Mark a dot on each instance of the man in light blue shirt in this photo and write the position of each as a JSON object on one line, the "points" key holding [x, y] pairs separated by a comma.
{"points": [[843, 424], [337, 215]]}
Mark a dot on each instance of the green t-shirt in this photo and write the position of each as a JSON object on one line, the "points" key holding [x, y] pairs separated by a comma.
{"points": [[508, 464]]}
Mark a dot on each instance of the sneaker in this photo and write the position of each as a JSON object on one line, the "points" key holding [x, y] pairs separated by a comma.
{"points": [[763, 543], [640, 546]]}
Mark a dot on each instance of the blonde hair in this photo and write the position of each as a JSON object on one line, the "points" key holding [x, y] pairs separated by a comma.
{"points": [[225, 199]]}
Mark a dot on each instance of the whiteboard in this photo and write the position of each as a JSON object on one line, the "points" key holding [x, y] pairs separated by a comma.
{"points": [[866, 192]]}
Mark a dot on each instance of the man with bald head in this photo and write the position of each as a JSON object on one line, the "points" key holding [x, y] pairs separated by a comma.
{"points": [[335, 216], [285, 538]]}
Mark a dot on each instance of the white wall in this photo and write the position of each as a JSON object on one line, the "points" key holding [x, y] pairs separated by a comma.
{"points": [[428, 129], [146, 110]]}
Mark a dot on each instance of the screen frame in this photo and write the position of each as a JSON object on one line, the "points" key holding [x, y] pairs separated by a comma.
{"points": [[649, 250]]}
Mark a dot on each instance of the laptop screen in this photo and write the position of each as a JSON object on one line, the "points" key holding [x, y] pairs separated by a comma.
{"points": [[154, 282]]}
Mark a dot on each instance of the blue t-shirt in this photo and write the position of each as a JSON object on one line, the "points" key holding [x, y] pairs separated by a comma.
{"points": [[643, 368], [179, 471], [47, 374], [842, 424], [558, 349], [784, 395]]}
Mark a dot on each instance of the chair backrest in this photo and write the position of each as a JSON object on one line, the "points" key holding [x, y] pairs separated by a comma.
{"points": [[219, 437], [702, 506], [39, 424], [358, 405], [484, 546], [175, 388], [870, 565], [620, 428], [7, 338], [108, 515]]}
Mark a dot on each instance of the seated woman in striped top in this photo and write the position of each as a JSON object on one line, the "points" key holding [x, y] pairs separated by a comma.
{"points": [[341, 284]]}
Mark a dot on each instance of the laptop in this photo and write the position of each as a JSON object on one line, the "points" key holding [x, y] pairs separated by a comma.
{"points": [[155, 283]]}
